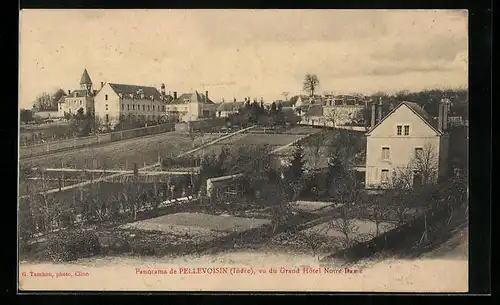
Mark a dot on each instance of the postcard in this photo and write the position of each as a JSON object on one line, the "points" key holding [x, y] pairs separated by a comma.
{"points": [[243, 150]]}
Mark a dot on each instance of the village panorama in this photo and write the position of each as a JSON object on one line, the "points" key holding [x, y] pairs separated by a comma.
{"points": [[186, 183]]}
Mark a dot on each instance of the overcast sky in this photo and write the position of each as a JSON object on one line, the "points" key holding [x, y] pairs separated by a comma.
{"points": [[243, 52]]}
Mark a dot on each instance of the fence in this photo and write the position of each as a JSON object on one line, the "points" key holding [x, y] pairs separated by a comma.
{"points": [[53, 146]]}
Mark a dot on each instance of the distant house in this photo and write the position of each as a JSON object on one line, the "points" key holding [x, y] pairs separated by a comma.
{"points": [[192, 106], [300, 100], [225, 109], [401, 141], [82, 98], [118, 101], [313, 115]]}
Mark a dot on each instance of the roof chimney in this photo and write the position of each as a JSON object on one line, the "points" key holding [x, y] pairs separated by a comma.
{"points": [[175, 95], [374, 110], [102, 84], [162, 89], [206, 95], [440, 116], [379, 110], [69, 92]]}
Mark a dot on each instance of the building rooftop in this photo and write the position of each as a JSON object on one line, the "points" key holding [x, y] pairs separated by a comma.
{"points": [[193, 97], [85, 78], [136, 91]]}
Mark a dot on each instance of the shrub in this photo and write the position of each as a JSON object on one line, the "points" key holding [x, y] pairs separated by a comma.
{"points": [[72, 244]]}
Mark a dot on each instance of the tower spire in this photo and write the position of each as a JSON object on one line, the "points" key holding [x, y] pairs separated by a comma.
{"points": [[85, 81]]}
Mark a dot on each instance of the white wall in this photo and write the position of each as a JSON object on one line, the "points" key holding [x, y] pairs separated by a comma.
{"points": [[113, 102], [402, 148]]}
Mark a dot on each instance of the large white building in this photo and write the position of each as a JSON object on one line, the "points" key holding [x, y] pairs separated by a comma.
{"points": [[406, 141], [118, 101], [191, 107]]}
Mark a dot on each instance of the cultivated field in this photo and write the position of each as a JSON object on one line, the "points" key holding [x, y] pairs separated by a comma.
{"points": [[363, 228], [199, 225], [122, 154], [273, 141]]}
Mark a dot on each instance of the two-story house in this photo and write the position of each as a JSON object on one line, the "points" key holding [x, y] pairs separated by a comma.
{"points": [[191, 106], [226, 109], [78, 99], [118, 101], [407, 141]]}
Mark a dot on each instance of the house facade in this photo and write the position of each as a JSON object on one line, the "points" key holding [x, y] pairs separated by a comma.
{"points": [[191, 107], [119, 101], [226, 109], [82, 98], [407, 141]]}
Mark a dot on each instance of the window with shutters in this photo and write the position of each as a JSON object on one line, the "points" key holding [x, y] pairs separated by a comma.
{"points": [[384, 176], [418, 152], [386, 153]]}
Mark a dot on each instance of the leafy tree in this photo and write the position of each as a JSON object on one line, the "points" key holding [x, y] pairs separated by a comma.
{"points": [[26, 115], [311, 82], [294, 174]]}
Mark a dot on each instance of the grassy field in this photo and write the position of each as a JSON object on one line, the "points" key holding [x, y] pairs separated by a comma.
{"points": [[122, 154]]}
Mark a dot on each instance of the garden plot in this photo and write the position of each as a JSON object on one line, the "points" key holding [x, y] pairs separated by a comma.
{"points": [[204, 226], [273, 141], [122, 154], [363, 229]]}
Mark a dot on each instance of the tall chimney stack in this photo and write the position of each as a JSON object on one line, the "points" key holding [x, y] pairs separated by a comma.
{"points": [[379, 110], [446, 108], [206, 95], [440, 116], [175, 95], [374, 110]]}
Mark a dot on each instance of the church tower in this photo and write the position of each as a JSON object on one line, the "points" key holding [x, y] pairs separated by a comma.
{"points": [[86, 83]]}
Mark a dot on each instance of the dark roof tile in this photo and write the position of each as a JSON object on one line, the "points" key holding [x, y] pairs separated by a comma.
{"points": [[134, 89]]}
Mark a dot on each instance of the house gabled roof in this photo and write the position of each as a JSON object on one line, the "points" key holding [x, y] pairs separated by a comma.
{"points": [[133, 89], [230, 106], [314, 110], [287, 104], [418, 111], [193, 97], [77, 93]]}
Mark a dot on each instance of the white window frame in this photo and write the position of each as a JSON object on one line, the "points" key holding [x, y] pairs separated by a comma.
{"points": [[397, 129], [382, 171], [404, 130], [416, 148], [382, 152]]}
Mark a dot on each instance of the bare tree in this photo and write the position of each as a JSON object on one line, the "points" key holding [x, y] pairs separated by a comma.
{"points": [[425, 163], [345, 224], [399, 189], [332, 116], [316, 141], [311, 82]]}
